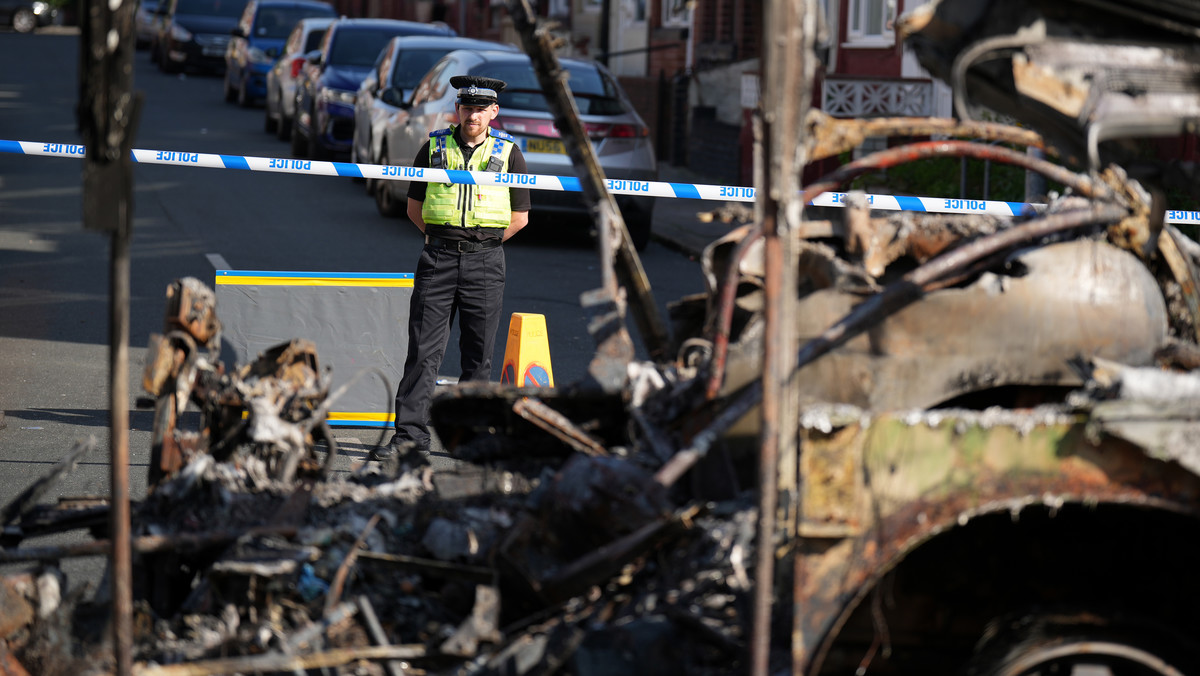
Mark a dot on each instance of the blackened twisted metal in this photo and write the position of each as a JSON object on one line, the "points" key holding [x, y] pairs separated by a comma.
{"points": [[1082, 185], [894, 297]]}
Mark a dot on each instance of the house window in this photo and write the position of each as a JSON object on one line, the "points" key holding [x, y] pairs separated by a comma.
{"points": [[677, 13], [870, 23]]}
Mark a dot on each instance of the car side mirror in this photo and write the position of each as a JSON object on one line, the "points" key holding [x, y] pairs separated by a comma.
{"points": [[313, 57], [393, 97]]}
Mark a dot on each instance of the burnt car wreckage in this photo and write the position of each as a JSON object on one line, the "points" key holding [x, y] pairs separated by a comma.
{"points": [[976, 437]]}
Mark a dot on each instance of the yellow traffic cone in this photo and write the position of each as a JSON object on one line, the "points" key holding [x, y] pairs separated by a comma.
{"points": [[527, 352]]}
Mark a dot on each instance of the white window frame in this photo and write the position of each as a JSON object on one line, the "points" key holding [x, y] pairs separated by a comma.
{"points": [[677, 13], [856, 24]]}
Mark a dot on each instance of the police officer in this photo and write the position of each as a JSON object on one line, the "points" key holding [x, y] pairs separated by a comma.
{"points": [[461, 269]]}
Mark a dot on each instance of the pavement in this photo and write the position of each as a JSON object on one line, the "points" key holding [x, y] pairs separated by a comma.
{"points": [[677, 221]]}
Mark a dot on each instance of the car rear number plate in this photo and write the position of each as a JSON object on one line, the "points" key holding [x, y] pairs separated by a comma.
{"points": [[546, 145]]}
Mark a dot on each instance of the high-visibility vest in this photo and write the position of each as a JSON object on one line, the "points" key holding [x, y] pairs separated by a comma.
{"points": [[468, 206]]}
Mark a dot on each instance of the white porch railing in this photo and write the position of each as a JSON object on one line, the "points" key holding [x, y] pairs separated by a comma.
{"points": [[857, 97]]}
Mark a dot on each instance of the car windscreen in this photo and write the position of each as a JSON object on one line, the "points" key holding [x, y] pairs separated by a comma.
{"points": [[358, 46], [595, 93], [412, 64], [313, 41], [230, 8], [277, 22]]}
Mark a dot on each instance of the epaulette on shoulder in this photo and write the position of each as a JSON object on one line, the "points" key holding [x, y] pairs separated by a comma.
{"points": [[502, 135], [441, 132]]}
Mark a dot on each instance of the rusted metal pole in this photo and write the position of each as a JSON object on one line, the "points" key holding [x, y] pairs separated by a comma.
{"points": [[107, 114], [788, 69], [122, 551]]}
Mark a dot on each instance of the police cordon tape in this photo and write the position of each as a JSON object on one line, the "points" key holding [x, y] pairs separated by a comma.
{"points": [[723, 193]]}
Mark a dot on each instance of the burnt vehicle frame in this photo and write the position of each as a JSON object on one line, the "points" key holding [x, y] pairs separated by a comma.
{"points": [[891, 533]]}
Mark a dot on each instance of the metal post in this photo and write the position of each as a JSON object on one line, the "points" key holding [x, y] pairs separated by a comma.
{"points": [[788, 71], [122, 553], [107, 115]]}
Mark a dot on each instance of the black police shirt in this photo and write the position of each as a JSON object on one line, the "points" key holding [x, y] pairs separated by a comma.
{"points": [[518, 197]]}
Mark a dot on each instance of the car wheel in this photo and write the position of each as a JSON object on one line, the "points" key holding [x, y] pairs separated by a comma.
{"points": [[299, 142], [230, 92], [317, 151], [243, 95], [638, 224], [165, 64], [354, 159], [385, 200], [1098, 642], [284, 132], [23, 20]]}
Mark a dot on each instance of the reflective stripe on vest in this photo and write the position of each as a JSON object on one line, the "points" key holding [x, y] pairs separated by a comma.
{"points": [[468, 206]]}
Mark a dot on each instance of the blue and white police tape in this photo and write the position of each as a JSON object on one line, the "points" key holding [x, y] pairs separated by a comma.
{"points": [[722, 193]]}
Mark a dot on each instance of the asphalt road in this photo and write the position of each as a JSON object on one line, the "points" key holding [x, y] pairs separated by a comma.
{"points": [[54, 276]]}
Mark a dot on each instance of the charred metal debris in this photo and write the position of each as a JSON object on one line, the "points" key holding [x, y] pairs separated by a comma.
{"points": [[948, 369]]}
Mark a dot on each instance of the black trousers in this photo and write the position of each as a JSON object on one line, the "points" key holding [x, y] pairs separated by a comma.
{"points": [[447, 283]]}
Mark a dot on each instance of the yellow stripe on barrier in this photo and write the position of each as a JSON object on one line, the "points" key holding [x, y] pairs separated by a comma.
{"points": [[312, 281], [342, 416]]}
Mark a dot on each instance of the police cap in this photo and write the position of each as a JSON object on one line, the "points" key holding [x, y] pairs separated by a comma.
{"points": [[476, 90]]}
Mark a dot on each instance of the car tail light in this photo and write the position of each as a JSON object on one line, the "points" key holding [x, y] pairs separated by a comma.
{"points": [[527, 126], [628, 131], [297, 64], [598, 131]]}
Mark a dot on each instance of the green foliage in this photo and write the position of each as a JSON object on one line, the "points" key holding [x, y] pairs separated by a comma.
{"points": [[943, 177]]}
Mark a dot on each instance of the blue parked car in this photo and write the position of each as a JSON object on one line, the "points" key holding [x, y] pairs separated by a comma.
{"points": [[324, 120], [256, 43]]}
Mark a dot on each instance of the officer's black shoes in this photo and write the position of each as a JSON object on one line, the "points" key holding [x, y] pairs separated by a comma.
{"points": [[388, 451], [404, 451]]}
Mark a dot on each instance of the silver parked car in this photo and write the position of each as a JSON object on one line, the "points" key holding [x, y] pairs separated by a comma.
{"points": [[622, 140], [281, 79], [145, 23], [400, 66]]}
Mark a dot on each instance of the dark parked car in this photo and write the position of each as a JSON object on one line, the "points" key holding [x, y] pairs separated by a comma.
{"points": [[324, 122], [401, 65], [257, 41], [26, 15], [195, 33]]}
